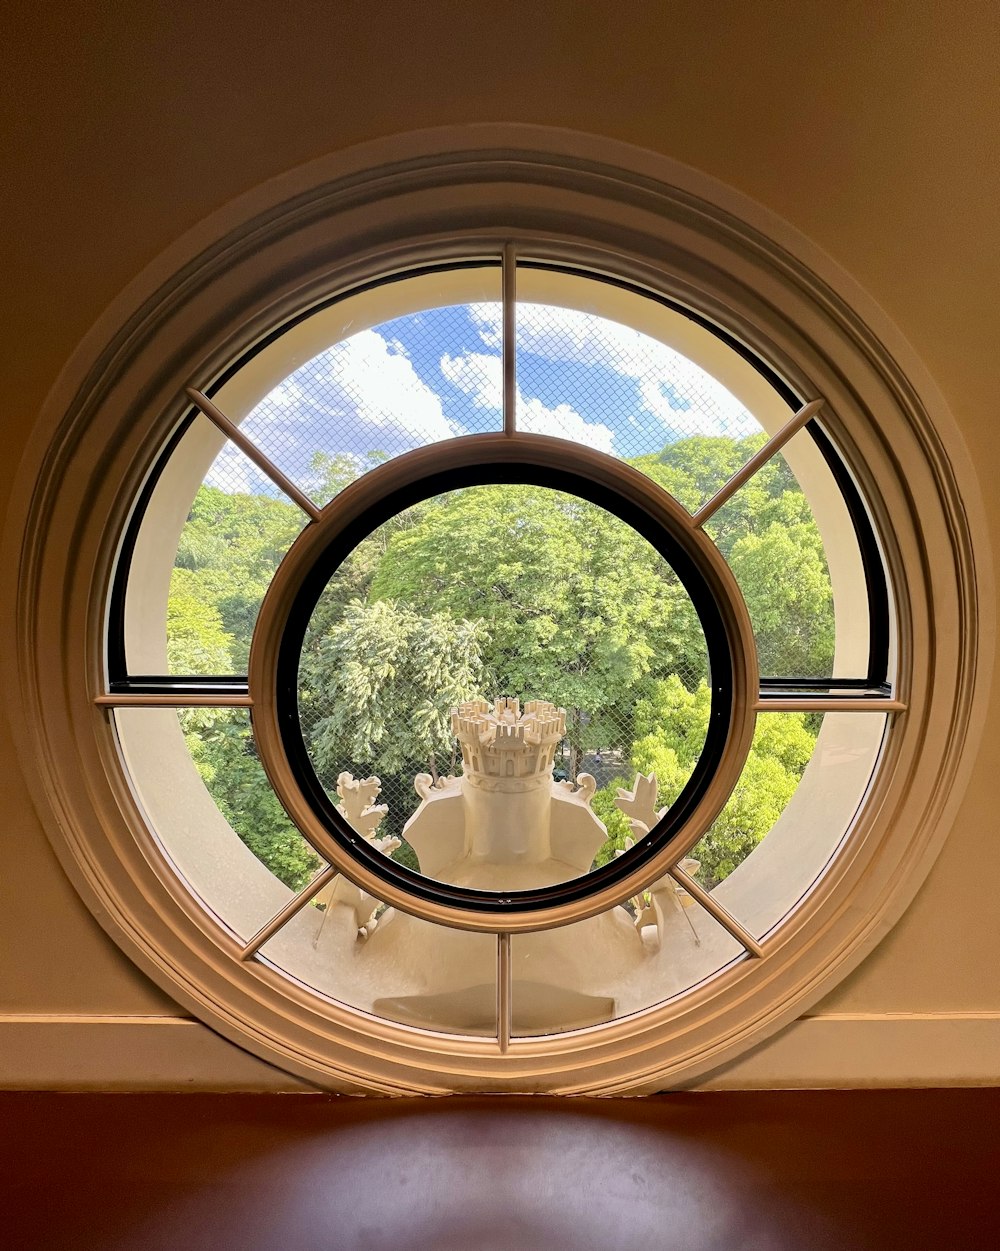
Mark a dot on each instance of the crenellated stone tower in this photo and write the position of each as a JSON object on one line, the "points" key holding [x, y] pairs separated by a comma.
{"points": [[506, 782]]}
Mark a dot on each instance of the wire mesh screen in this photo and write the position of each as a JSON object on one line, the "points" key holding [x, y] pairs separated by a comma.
{"points": [[370, 397], [503, 592], [598, 382], [769, 537], [363, 400], [608, 386]]}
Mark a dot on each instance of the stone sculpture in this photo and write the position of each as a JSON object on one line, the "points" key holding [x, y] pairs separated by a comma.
{"points": [[503, 824]]}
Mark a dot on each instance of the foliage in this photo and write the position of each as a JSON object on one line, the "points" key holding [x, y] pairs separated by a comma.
{"points": [[615, 821], [379, 687], [226, 758], [767, 533], [331, 472], [505, 590], [197, 641], [783, 576], [229, 550], [672, 727], [579, 608]]}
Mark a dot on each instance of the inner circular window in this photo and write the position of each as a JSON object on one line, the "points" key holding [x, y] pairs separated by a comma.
{"points": [[479, 647], [502, 686]]}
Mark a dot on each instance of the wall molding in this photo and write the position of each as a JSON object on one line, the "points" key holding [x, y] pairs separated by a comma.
{"points": [[838, 1050]]}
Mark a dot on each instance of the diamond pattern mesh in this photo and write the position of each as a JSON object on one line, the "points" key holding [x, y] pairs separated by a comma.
{"points": [[231, 544], [370, 397], [605, 385], [499, 591], [489, 592]]}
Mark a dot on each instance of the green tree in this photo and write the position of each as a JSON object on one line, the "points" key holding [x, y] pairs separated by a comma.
{"points": [[580, 609], [230, 547], [228, 551], [333, 471], [767, 533], [671, 728], [226, 757], [378, 687], [197, 641], [614, 820], [505, 590], [783, 575]]}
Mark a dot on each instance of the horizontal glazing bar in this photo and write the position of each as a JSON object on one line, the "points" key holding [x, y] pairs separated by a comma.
{"points": [[181, 684], [859, 685], [828, 703], [173, 699]]}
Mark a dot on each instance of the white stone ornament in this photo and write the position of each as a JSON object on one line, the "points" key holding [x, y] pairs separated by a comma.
{"points": [[505, 825], [359, 810]]}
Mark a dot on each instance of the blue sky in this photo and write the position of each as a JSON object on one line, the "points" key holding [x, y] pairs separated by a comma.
{"points": [[437, 374]]}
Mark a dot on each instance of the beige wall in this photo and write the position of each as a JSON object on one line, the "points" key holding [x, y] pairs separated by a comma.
{"points": [[873, 135]]}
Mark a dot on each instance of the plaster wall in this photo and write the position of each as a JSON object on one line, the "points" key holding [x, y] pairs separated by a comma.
{"points": [[871, 129]]}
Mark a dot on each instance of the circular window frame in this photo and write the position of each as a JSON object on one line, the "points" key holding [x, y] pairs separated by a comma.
{"points": [[387, 207], [484, 459]]}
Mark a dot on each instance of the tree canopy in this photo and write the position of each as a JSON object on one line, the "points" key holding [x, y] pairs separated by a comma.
{"points": [[379, 685], [506, 590], [580, 609]]}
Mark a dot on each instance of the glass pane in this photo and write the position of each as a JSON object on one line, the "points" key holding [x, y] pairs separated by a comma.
{"points": [[783, 745], [207, 798], [768, 534], [609, 386], [621, 372], [478, 654], [622, 961], [381, 390], [354, 384], [382, 961], [800, 791], [232, 542]]}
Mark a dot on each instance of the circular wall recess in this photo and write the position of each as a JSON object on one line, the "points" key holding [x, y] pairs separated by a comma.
{"points": [[693, 971]]}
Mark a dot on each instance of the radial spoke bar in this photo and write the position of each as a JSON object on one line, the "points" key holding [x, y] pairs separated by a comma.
{"points": [[725, 918], [291, 909], [774, 444], [509, 274], [828, 703], [251, 450], [505, 988]]}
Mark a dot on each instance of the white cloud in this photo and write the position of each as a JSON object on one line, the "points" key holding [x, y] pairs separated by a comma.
{"points": [[679, 393], [478, 375], [379, 381], [565, 423], [360, 395], [481, 377]]}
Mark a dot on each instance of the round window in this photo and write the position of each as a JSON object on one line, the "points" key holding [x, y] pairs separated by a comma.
{"points": [[496, 654], [500, 672]]}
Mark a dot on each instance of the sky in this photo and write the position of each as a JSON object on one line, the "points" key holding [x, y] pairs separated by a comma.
{"points": [[437, 374]]}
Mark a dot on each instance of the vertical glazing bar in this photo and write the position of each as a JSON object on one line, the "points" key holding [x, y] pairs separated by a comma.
{"points": [[509, 339], [504, 991]]}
